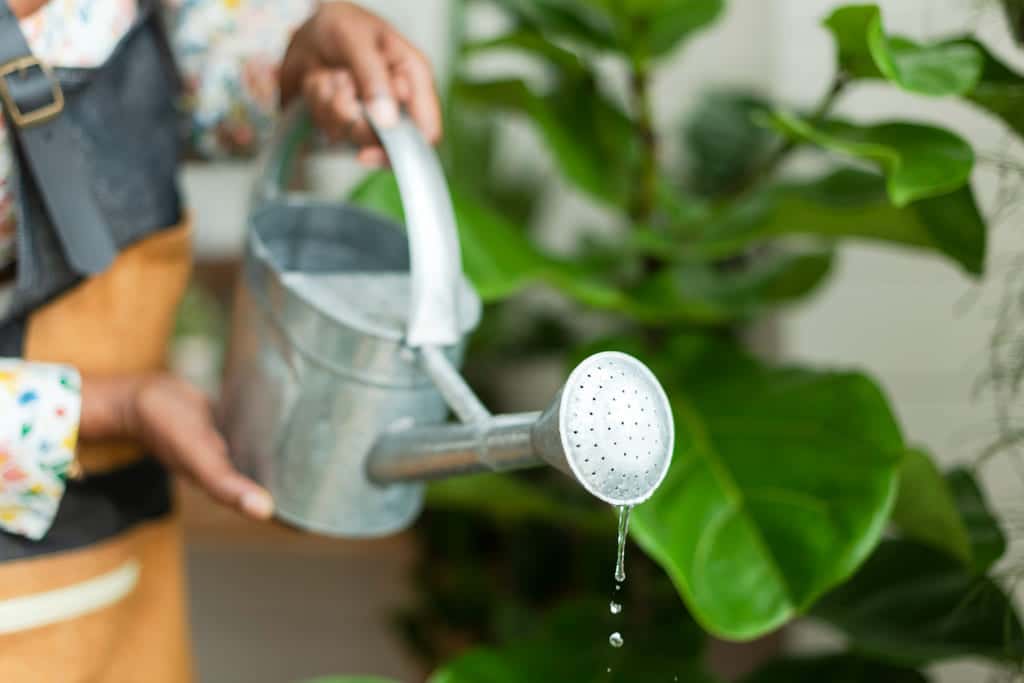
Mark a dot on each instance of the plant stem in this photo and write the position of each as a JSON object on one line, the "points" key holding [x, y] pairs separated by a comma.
{"points": [[782, 152], [642, 203]]}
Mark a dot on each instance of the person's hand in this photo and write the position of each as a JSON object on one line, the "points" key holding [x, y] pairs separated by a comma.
{"points": [[174, 420], [25, 8], [345, 59]]}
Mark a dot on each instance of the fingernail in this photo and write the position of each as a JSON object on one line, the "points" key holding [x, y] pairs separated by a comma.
{"points": [[384, 112], [258, 504]]}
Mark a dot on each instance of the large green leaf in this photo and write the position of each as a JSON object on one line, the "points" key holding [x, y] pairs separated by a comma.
{"points": [[866, 51], [918, 161], [842, 668], [926, 510], [652, 28], [723, 144], [845, 204], [535, 43], [988, 543], [501, 265], [850, 27], [470, 156], [781, 484], [668, 22], [573, 648], [589, 137], [497, 256], [573, 19], [959, 66], [910, 603], [707, 293], [640, 28]]}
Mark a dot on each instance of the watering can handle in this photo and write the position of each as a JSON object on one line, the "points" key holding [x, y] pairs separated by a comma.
{"points": [[434, 262]]}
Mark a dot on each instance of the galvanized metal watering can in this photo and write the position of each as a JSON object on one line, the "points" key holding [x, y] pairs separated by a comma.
{"points": [[342, 368]]}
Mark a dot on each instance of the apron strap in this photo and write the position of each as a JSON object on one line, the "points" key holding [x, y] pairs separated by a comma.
{"points": [[33, 99]]}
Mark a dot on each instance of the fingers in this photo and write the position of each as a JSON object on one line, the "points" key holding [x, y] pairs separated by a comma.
{"points": [[400, 84], [386, 68], [176, 421], [413, 84], [372, 74], [374, 71], [333, 103], [207, 464]]}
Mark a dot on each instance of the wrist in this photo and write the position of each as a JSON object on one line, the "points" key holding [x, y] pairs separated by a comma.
{"points": [[110, 406]]}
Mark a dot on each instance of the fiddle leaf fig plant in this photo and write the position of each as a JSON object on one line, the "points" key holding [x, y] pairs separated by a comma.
{"points": [[785, 480]]}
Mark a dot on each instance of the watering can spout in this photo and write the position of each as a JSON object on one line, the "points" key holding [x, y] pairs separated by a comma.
{"points": [[609, 428]]}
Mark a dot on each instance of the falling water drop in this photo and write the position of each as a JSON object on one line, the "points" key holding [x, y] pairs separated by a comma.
{"points": [[615, 639], [620, 566], [614, 607]]}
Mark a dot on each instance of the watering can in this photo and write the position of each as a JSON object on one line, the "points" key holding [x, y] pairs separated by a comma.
{"points": [[347, 335]]}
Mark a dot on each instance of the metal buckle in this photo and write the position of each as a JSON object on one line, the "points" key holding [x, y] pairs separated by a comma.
{"points": [[40, 115]]}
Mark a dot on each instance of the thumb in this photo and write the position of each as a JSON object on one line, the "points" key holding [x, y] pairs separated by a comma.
{"points": [[212, 470]]}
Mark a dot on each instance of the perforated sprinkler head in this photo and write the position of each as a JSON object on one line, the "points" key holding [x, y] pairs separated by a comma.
{"points": [[610, 428]]}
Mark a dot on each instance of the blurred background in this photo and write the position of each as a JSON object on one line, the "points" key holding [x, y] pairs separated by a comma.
{"points": [[272, 606]]}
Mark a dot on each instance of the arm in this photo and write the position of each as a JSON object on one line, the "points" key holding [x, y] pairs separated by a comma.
{"points": [[174, 420], [46, 408]]}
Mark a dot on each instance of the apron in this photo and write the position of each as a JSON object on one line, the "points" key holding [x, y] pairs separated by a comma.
{"points": [[100, 599], [131, 542]]}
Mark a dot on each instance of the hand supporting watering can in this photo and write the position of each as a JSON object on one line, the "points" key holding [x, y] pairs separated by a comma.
{"points": [[344, 62]]}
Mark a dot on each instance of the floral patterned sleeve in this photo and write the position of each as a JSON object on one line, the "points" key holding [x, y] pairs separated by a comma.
{"points": [[40, 406], [229, 52]]}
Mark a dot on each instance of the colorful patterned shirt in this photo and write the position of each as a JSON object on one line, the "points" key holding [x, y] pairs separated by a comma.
{"points": [[39, 410], [228, 52]]}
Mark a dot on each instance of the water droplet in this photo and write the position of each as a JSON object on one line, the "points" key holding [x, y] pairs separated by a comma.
{"points": [[615, 639], [620, 560], [614, 607]]}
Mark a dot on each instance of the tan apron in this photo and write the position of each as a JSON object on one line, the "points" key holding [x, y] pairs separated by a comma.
{"points": [[125, 595]]}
